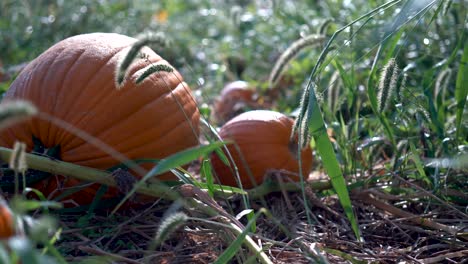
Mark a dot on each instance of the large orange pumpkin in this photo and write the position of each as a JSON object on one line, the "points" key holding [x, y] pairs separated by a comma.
{"points": [[74, 81], [263, 140], [235, 97]]}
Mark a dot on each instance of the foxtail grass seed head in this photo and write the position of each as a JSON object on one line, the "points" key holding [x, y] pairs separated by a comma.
{"points": [[422, 113], [319, 95], [304, 137], [387, 85], [18, 158], [401, 87], [302, 117], [147, 71], [15, 111], [170, 224], [442, 82], [446, 7], [325, 25], [290, 53], [334, 89], [134, 51]]}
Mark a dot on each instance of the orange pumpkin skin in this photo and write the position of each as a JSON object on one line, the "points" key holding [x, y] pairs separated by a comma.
{"points": [[263, 138], [234, 95], [7, 227], [74, 81]]}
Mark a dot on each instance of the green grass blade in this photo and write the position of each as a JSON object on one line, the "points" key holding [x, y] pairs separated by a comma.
{"points": [[173, 161], [325, 150], [182, 158], [23, 205], [205, 171], [184, 176], [461, 88], [419, 164], [348, 82], [223, 190], [231, 251]]}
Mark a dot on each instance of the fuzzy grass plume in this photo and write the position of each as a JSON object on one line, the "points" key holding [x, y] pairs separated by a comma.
{"points": [[290, 53], [18, 163], [401, 87], [170, 224], [18, 158], [387, 85], [325, 25], [15, 111], [153, 69], [333, 94], [442, 82], [122, 67], [300, 126]]}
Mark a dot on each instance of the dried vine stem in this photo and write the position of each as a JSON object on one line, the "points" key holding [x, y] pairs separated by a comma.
{"points": [[150, 189], [367, 198]]}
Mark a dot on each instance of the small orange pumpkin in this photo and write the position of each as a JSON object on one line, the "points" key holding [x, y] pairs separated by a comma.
{"points": [[263, 138], [74, 81], [234, 97], [7, 227]]}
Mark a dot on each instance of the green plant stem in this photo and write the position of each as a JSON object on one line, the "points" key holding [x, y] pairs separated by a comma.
{"points": [[269, 187], [86, 174], [150, 189]]}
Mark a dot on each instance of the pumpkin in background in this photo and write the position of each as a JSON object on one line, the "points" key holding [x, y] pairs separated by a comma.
{"points": [[264, 142], [74, 81], [236, 97]]}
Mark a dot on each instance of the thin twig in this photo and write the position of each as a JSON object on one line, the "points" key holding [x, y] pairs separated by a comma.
{"points": [[100, 252], [431, 195], [367, 198], [440, 258]]}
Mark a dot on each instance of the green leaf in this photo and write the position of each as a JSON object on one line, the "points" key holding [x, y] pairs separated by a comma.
{"points": [[461, 88], [325, 150]]}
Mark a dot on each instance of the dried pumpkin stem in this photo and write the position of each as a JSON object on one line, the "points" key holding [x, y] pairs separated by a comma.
{"points": [[150, 189]]}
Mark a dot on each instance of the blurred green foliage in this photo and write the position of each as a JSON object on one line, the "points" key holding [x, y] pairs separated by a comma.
{"points": [[29, 27]]}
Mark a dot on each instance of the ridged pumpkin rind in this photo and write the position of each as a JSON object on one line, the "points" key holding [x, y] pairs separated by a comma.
{"points": [[233, 93], [74, 81], [263, 138]]}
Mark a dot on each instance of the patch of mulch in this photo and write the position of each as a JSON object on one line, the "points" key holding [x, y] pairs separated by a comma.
{"points": [[292, 234]]}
